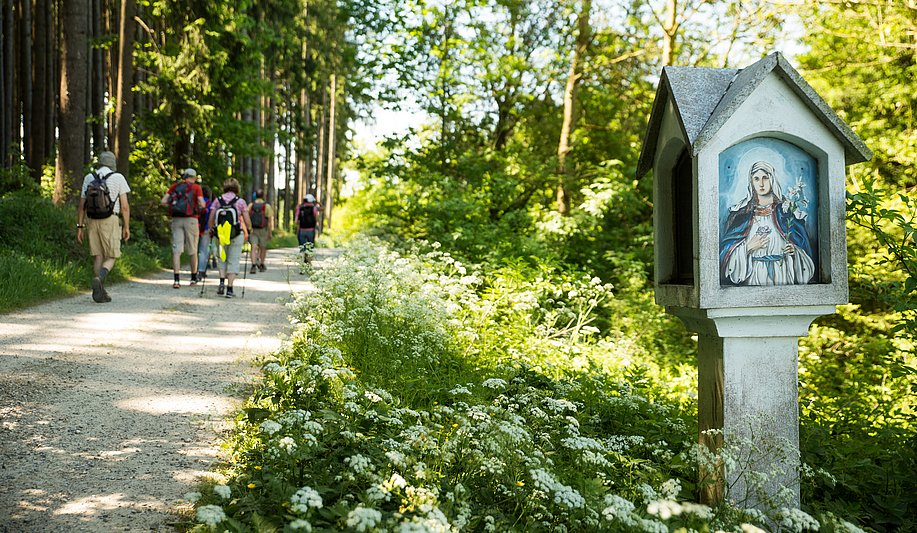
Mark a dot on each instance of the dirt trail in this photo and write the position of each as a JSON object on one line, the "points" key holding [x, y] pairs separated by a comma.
{"points": [[109, 413]]}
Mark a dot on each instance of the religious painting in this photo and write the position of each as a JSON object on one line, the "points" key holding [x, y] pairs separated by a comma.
{"points": [[768, 211]]}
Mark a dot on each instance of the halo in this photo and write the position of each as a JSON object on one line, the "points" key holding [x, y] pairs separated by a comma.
{"points": [[759, 153]]}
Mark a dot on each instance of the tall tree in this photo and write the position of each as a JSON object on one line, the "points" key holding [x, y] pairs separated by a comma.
{"points": [[7, 63], [26, 91], [74, 76], [583, 38], [124, 101], [331, 149], [41, 136]]}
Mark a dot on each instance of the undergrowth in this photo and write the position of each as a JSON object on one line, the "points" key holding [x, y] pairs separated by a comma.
{"points": [[421, 394]]}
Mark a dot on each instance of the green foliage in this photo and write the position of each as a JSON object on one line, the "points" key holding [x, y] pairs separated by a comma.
{"points": [[397, 405]]}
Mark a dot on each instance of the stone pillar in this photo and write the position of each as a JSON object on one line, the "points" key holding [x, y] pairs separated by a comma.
{"points": [[748, 396]]}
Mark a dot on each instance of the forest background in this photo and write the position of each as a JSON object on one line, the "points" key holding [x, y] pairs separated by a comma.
{"points": [[533, 113]]}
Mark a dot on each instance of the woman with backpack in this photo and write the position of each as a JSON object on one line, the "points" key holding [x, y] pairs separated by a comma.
{"points": [[229, 219]]}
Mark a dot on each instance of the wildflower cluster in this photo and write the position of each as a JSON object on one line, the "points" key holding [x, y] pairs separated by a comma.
{"points": [[382, 414]]}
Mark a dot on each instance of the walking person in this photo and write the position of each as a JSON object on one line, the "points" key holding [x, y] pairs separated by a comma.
{"points": [[205, 239], [102, 198], [262, 216], [231, 221], [185, 200], [306, 219]]}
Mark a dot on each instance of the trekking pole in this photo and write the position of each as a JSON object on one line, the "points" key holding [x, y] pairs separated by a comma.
{"points": [[245, 270], [202, 281]]}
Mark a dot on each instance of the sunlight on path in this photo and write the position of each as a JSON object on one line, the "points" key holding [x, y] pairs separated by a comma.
{"points": [[110, 413]]}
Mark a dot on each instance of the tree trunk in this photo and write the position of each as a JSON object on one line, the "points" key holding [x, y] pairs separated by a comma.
{"points": [[288, 177], [583, 38], [320, 153], [670, 31], [308, 147], [329, 178], [74, 48], [124, 102], [97, 86], [25, 77], [8, 62], [39, 147]]}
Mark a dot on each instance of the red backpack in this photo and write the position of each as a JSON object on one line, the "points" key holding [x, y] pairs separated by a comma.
{"points": [[257, 215]]}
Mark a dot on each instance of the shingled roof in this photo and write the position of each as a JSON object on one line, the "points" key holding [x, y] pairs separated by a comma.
{"points": [[705, 98]]}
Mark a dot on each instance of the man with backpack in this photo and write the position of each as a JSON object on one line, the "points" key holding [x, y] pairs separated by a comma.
{"points": [[262, 216], [102, 197], [184, 200]]}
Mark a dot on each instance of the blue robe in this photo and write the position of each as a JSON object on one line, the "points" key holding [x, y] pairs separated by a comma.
{"points": [[738, 226]]}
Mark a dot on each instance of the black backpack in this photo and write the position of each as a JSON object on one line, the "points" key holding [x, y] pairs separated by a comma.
{"points": [[307, 215], [227, 214], [181, 201], [257, 215], [98, 199]]}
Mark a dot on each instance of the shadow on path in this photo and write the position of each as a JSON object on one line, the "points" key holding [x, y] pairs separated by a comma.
{"points": [[109, 413]]}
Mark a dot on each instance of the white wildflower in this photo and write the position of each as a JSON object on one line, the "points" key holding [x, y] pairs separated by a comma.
{"points": [[372, 397], [287, 444], [670, 489], [304, 499], [664, 509], [395, 481], [210, 515], [796, 520], [223, 491], [396, 457], [273, 368], [300, 524], [193, 497], [495, 383], [270, 427], [559, 406], [617, 507], [359, 463], [363, 519], [459, 390]]}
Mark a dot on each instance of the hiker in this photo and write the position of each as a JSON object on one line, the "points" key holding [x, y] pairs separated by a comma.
{"points": [[230, 222], [262, 216], [185, 200], [102, 197], [306, 219], [204, 240]]}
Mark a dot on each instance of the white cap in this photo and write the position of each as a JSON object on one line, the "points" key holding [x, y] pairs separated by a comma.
{"points": [[310, 198], [189, 173]]}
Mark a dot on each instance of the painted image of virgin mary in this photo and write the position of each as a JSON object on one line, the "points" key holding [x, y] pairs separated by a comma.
{"points": [[764, 240]]}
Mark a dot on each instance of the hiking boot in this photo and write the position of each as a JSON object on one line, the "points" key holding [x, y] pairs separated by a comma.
{"points": [[262, 268], [176, 285], [254, 269], [193, 281], [229, 293], [97, 290], [220, 290]]}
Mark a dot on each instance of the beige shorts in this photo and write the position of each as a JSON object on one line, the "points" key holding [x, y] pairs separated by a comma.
{"points": [[105, 236], [185, 232], [258, 237]]}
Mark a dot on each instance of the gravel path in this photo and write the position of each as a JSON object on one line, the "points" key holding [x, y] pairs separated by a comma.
{"points": [[109, 413]]}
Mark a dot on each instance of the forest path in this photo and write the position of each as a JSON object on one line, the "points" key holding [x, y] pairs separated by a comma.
{"points": [[110, 413]]}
